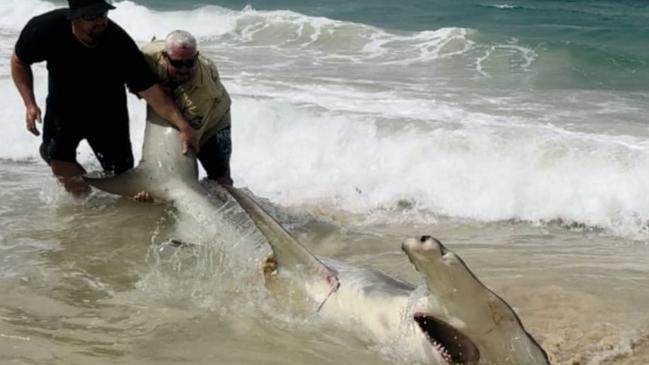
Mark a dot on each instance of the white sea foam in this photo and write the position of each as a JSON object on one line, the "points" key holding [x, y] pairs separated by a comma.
{"points": [[484, 173], [279, 29], [345, 115], [15, 13], [503, 6]]}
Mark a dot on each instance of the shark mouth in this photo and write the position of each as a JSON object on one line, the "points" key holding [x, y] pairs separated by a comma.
{"points": [[453, 345]]}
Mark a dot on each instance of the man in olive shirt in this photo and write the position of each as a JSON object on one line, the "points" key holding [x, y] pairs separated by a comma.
{"points": [[89, 60], [193, 82]]}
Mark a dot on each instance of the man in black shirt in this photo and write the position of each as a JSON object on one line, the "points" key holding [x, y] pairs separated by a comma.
{"points": [[89, 60]]}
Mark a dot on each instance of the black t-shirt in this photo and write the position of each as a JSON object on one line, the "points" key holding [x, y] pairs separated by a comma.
{"points": [[84, 82]]}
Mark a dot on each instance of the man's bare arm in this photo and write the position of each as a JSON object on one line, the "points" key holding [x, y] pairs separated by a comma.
{"points": [[23, 78], [168, 110]]}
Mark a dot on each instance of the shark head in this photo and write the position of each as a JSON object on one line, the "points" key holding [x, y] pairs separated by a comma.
{"points": [[460, 321], [461, 318]]}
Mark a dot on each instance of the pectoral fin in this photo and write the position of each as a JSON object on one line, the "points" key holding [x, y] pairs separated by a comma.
{"points": [[289, 254]]}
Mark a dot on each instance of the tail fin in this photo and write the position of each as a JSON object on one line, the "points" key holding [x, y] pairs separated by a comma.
{"points": [[161, 164], [128, 183]]}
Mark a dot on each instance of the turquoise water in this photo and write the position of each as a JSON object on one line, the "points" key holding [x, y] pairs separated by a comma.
{"points": [[581, 44]]}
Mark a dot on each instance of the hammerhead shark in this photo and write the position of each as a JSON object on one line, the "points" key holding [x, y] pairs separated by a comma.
{"points": [[453, 319]]}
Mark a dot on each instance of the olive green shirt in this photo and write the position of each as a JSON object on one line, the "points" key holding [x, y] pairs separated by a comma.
{"points": [[203, 100]]}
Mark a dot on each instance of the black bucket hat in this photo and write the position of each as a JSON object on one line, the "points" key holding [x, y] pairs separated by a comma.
{"points": [[79, 8]]}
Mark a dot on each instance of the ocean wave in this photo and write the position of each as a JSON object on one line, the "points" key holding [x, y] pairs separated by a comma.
{"points": [[485, 173], [504, 6], [14, 14], [367, 120], [281, 29]]}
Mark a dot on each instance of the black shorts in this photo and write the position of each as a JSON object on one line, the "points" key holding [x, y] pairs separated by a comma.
{"points": [[109, 140], [215, 156]]}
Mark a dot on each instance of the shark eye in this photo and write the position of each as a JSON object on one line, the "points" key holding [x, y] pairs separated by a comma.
{"points": [[424, 238], [452, 344]]}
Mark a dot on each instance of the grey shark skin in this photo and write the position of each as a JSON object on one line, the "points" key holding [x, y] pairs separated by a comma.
{"points": [[455, 319], [165, 173]]}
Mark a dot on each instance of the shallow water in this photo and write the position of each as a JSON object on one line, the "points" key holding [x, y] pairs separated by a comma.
{"points": [[514, 131], [85, 282]]}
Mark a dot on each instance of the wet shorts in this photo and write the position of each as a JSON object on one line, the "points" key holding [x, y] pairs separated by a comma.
{"points": [[109, 140], [215, 155]]}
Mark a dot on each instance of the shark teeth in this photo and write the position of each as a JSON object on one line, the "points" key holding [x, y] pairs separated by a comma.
{"points": [[436, 345], [452, 345]]}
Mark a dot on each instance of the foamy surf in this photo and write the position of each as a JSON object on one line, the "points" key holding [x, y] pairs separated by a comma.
{"points": [[354, 117]]}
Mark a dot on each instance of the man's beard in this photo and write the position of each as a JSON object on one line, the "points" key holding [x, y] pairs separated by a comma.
{"points": [[181, 79], [98, 35]]}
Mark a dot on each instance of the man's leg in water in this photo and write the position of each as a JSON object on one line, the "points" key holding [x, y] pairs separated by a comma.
{"points": [[59, 149], [215, 156], [69, 175]]}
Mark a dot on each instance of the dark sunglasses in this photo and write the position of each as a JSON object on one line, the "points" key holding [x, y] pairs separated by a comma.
{"points": [[182, 63], [92, 17]]}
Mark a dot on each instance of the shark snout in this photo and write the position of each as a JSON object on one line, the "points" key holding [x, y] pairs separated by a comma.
{"points": [[429, 255], [424, 245]]}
